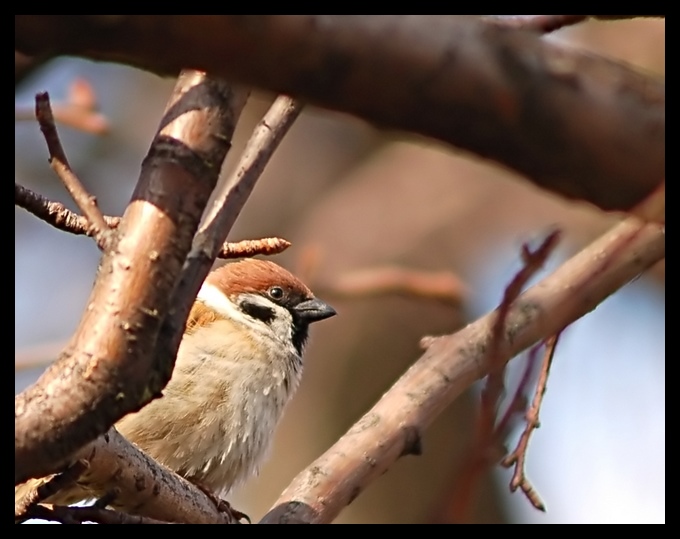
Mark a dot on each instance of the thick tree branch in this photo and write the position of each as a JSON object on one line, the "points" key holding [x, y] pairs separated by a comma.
{"points": [[230, 198], [143, 486], [452, 363], [107, 370], [579, 125]]}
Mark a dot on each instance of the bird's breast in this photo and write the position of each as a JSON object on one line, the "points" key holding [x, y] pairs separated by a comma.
{"points": [[216, 419]]}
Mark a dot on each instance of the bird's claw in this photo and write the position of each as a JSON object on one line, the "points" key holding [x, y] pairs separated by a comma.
{"points": [[223, 506]]}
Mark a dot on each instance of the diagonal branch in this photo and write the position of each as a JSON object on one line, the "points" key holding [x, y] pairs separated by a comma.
{"points": [[230, 198], [519, 454], [452, 363], [484, 450], [59, 163], [577, 124]]}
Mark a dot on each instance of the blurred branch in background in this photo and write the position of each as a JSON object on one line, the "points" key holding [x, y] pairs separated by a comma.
{"points": [[483, 88], [550, 23], [441, 286], [77, 111]]}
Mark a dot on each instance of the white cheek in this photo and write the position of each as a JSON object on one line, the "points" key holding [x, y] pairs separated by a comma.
{"points": [[280, 329], [213, 297]]}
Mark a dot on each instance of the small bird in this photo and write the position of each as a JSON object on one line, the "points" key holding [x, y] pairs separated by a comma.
{"points": [[238, 365]]}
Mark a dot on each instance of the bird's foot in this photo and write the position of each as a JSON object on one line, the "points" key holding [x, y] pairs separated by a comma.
{"points": [[223, 506]]}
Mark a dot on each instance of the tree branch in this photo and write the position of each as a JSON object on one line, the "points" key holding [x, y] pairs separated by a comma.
{"points": [[144, 486], [55, 213], [230, 198], [577, 124], [59, 163], [42, 491], [485, 450], [60, 217], [519, 454], [109, 367], [452, 363], [442, 286]]}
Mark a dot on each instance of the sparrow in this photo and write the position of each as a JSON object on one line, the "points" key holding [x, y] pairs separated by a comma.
{"points": [[238, 365]]}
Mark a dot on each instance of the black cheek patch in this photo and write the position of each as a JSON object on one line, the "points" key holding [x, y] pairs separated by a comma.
{"points": [[258, 311]]}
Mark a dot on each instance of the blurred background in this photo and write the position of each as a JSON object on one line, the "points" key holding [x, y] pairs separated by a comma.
{"points": [[355, 197]]}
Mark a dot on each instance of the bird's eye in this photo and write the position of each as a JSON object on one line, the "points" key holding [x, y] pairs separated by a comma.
{"points": [[276, 292]]}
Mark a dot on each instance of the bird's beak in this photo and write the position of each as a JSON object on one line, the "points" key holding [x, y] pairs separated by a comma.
{"points": [[314, 310]]}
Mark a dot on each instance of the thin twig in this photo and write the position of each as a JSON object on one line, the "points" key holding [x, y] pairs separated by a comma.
{"points": [[485, 448], [494, 387], [231, 194], [452, 363], [455, 507], [47, 489], [518, 456], [78, 515], [60, 217], [518, 402], [55, 213], [59, 163], [249, 248]]}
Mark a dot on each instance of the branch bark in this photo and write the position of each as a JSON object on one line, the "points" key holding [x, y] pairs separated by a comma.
{"points": [[144, 486], [229, 200], [109, 367], [452, 363], [579, 125]]}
